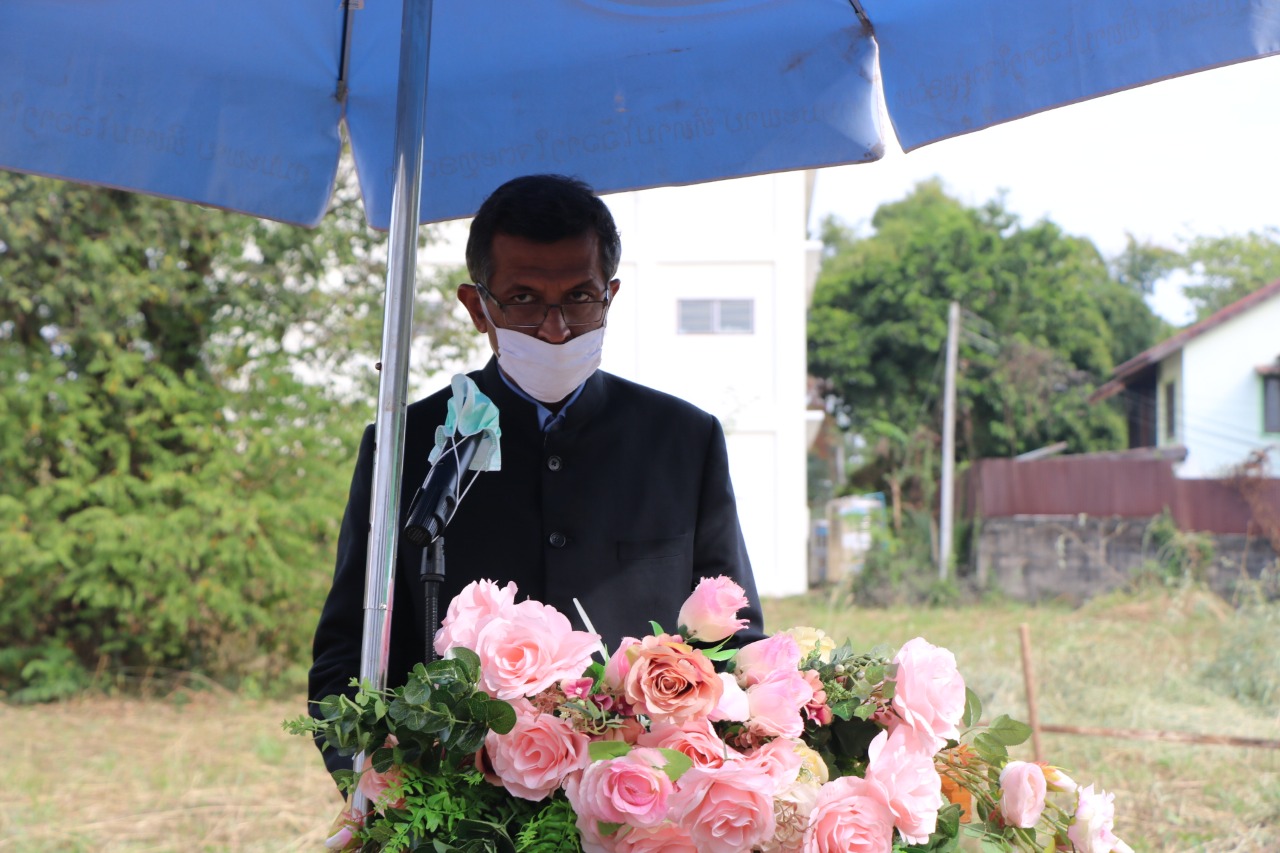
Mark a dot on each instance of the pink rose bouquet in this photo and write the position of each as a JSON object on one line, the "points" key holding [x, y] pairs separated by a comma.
{"points": [[519, 740]]}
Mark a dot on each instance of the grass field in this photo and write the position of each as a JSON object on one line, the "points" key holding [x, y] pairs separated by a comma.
{"points": [[185, 770]]}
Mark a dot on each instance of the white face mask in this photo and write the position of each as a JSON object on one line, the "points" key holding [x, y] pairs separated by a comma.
{"points": [[547, 372]]}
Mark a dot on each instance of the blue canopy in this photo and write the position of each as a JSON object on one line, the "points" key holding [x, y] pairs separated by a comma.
{"points": [[238, 103]]}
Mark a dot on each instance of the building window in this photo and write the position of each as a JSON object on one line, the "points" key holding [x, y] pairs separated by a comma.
{"points": [[716, 316], [1271, 403], [1170, 409]]}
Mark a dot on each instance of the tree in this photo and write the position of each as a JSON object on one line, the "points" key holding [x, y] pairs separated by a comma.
{"points": [[1039, 306], [178, 414], [1225, 269]]}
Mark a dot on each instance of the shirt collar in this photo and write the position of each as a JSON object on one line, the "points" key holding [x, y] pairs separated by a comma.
{"points": [[547, 420]]}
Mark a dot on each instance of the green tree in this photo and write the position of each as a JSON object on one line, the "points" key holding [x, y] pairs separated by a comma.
{"points": [[1224, 269], [181, 390], [1039, 308]]}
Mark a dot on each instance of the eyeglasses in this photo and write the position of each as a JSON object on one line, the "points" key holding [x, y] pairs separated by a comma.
{"points": [[526, 315]]}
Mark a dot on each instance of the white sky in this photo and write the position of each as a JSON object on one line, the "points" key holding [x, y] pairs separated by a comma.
{"points": [[1198, 155]]}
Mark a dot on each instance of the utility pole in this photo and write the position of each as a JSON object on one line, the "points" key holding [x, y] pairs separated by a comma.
{"points": [[946, 512]]}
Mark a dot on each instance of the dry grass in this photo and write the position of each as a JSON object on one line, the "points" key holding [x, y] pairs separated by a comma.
{"points": [[212, 772], [1126, 662]]}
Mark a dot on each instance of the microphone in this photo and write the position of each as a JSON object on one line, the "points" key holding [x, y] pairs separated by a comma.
{"points": [[437, 500]]}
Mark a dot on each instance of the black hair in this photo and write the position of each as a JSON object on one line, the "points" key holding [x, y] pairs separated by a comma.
{"points": [[544, 209]]}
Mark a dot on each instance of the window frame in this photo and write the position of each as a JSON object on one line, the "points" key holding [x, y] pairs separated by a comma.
{"points": [[716, 325]]}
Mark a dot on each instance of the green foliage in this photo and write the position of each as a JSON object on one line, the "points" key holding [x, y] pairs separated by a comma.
{"points": [[1225, 269], [428, 732], [900, 567], [1039, 311], [171, 476], [1181, 557]]}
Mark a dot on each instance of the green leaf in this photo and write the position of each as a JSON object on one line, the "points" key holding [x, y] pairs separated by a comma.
{"points": [[677, 763], [722, 654], [383, 759], [500, 716], [972, 708], [656, 628], [1008, 731], [417, 690], [469, 660], [990, 748], [603, 750]]}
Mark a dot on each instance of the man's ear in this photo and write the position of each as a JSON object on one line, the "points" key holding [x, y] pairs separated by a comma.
{"points": [[614, 287], [470, 297]]}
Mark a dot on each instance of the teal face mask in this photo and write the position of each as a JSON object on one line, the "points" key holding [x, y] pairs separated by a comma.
{"points": [[471, 412]]}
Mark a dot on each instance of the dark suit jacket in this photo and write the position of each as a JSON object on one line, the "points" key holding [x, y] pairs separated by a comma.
{"points": [[625, 506]]}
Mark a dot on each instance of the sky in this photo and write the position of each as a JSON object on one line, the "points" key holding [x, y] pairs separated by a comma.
{"points": [[1196, 155]]}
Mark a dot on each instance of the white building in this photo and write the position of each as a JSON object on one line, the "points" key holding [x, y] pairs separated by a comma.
{"points": [[715, 279], [1212, 389]]}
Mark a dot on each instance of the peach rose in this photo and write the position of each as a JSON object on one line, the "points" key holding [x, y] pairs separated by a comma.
{"points": [[710, 613], [535, 756], [849, 817], [1022, 793], [928, 692], [670, 681], [727, 809]]}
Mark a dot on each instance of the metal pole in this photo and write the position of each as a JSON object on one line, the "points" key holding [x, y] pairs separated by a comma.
{"points": [[946, 512], [402, 261]]}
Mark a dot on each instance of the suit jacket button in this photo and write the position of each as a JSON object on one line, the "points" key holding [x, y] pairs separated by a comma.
{"points": [[555, 463], [557, 540]]}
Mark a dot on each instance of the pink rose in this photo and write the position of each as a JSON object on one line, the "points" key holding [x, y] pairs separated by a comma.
{"points": [[693, 738], [1022, 793], [664, 838], [470, 610], [733, 705], [531, 649], [777, 703], [779, 760], [535, 756], [375, 785], [727, 809], [710, 613], [849, 817], [1091, 829], [670, 681], [907, 782], [632, 790], [615, 671], [928, 692], [756, 660]]}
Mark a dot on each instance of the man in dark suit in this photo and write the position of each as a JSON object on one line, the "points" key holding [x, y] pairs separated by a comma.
{"points": [[609, 492]]}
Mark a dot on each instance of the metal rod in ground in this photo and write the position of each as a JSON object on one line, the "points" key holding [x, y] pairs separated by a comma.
{"points": [[1171, 737], [1029, 679]]}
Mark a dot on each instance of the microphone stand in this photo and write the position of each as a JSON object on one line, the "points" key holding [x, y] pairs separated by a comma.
{"points": [[431, 573]]}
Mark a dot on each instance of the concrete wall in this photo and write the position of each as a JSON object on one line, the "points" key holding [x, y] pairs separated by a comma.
{"points": [[1073, 558]]}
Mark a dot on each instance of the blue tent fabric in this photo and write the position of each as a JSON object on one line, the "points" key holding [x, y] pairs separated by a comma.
{"points": [[229, 103], [984, 62], [235, 103]]}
